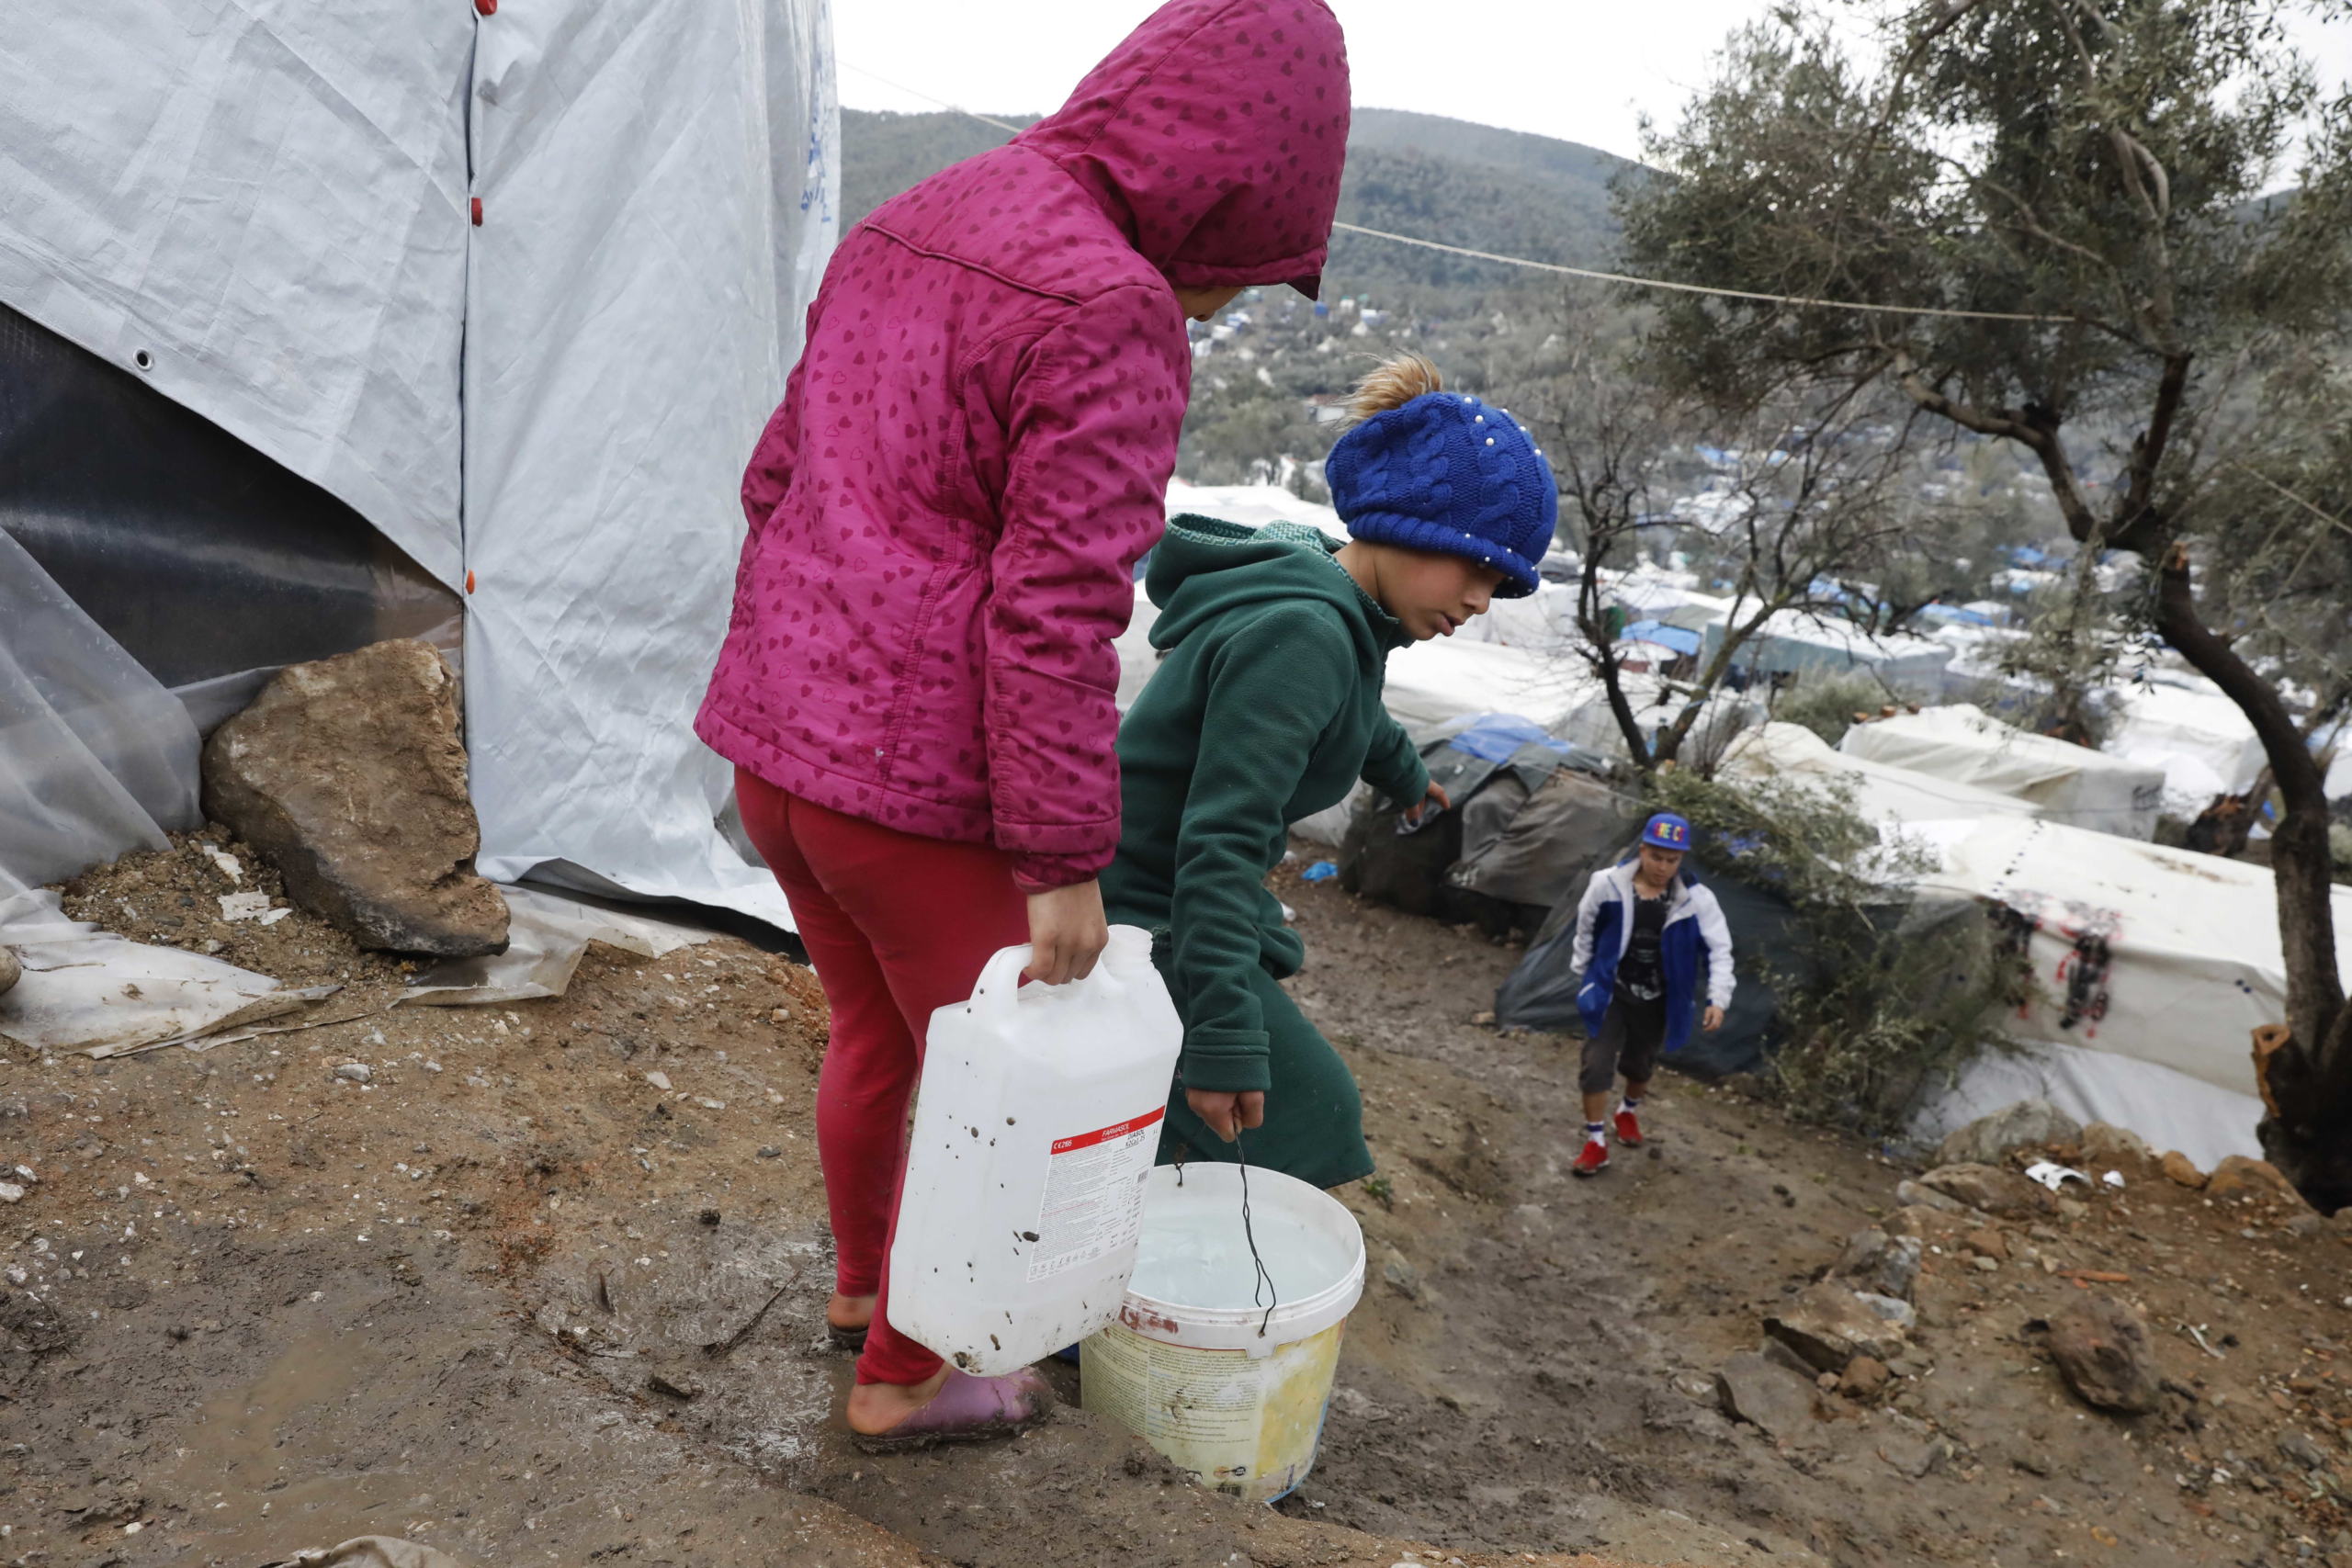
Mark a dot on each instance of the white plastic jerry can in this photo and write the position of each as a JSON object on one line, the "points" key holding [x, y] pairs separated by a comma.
{"points": [[1036, 1124]]}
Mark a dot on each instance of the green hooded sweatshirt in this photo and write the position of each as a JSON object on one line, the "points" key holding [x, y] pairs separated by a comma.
{"points": [[1265, 708]]}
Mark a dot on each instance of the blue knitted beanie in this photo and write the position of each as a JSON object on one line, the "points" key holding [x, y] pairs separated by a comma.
{"points": [[1450, 473]]}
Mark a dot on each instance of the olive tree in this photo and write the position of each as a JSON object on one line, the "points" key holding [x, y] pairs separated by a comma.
{"points": [[2079, 190], [1800, 501]]}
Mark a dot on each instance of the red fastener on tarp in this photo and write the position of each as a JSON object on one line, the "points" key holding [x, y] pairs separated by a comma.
{"points": [[477, 212], [487, 7], [469, 580]]}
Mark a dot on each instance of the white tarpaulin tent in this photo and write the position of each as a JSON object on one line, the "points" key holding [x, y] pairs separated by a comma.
{"points": [[2061, 781], [2186, 726], [1897, 801], [2155, 964], [520, 287], [1792, 642]]}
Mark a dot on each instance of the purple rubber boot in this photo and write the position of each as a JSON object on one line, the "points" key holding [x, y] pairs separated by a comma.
{"points": [[968, 1410]]}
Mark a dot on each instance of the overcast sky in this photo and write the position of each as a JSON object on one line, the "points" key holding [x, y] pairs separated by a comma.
{"points": [[1566, 68]]}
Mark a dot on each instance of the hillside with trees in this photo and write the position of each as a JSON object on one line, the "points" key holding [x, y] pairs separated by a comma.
{"points": [[1440, 180]]}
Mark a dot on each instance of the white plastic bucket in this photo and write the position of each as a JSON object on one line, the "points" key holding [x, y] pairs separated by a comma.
{"points": [[1196, 1377], [1034, 1128]]}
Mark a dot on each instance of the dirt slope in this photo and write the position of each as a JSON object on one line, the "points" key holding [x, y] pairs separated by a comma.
{"points": [[508, 1296], [262, 1308]]}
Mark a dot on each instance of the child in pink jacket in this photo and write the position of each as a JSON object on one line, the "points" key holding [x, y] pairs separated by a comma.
{"points": [[973, 452]]}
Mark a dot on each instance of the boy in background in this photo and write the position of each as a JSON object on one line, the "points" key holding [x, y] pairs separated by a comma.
{"points": [[1643, 929]]}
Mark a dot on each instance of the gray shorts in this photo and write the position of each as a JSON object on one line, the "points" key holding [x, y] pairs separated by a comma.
{"points": [[1628, 1042]]}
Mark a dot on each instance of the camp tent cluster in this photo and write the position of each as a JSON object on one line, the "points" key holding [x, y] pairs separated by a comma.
{"points": [[2154, 965]]}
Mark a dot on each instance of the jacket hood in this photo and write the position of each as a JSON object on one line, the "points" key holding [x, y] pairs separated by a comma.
{"points": [[1214, 136], [1204, 569]]}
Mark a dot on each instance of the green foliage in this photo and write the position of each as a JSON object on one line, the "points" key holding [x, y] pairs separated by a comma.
{"points": [[2068, 660], [1892, 996], [1826, 704], [1456, 201]]}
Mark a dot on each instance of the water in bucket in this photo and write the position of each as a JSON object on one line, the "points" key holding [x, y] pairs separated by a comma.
{"points": [[1195, 1256], [1213, 1378]]}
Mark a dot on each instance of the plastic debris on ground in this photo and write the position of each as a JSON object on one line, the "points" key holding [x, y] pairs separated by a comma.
{"points": [[1321, 871], [2052, 1175], [546, 935], [86, 990]]}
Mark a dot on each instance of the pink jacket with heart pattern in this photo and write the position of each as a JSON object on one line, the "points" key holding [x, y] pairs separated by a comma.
{"points": [[974, 449]]}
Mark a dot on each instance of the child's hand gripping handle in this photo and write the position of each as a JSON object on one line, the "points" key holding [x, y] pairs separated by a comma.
{"points": [[1067, 933]]}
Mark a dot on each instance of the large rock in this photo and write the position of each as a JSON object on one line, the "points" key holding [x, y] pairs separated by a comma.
{"points": [[2238, 1177], [1829, 1326], [1916, 1195], [1755, 1388], [2179, 1167], [349, 776], [1876, 1261], [2101, 1349], [2105, 1146], [11, 971], [1991, 1189], [2028, 1125]]}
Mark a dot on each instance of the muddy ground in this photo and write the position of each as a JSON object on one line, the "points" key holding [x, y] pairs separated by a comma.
{"points": [[511, 1297]]}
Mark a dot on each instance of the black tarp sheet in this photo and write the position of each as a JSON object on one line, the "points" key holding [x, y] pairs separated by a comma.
{"points": [[201, 557]]}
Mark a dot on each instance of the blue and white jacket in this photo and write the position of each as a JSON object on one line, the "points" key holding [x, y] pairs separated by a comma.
{"points": [[1694, 924]]}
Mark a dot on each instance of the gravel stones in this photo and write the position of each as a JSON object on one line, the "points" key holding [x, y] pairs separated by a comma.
{"points": [[2028, 1125], [2179, 1167], [2101, 1349], [349, 776], [1876, 1261], [355, 1072]]}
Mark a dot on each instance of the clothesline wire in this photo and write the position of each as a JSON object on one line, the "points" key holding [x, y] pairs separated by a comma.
{"points": [[1808, 301]]}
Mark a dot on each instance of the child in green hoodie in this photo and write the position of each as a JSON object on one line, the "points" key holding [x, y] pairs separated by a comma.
{"points": [[1266, 708]]}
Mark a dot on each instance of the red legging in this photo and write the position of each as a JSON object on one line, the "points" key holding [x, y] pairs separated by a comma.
{"points": [[898, 926]]}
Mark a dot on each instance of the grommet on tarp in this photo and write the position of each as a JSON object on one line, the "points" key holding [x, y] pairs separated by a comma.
{"points": [[469, 580], [145, 360], [477, 212]]}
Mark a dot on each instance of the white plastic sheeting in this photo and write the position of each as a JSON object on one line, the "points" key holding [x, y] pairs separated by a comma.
{"points": [[1253, 506], [2163, 955], [2155, 965], [1899, 802], [1449, 678], [268, 202], [657, 194], [1794, 642], [2061, 781], [2170, 1109], [95, 757], [2184, 726], [265, 209], [87, 989], [546, 936]]}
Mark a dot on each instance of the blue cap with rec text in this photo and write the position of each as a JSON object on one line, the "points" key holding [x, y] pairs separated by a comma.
{"points": [[1666, 831]]}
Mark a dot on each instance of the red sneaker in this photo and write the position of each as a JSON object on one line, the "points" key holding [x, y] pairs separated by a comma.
{"points": [[1629, 1129], [1593, 1160]]}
